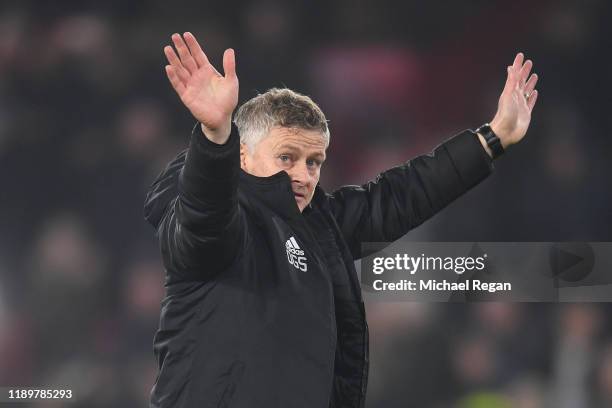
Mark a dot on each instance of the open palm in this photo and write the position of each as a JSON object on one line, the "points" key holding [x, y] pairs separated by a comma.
{"points": [[516, 102], [209, 96]]}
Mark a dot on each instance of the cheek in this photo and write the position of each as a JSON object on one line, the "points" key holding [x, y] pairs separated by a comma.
{"points": [[264, 167], [272, 165], [315, 180]]}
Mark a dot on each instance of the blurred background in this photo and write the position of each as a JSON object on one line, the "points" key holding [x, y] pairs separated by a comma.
{"points": [[87, 120]]}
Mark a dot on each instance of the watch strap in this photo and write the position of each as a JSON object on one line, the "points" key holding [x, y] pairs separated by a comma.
{"points": [[492, 140]]}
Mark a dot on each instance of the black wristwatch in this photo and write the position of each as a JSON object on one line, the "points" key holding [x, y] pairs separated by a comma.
{"points": [[491, 139]]}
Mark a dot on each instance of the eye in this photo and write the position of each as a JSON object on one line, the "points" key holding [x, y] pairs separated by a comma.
{"points": [[284, 158], [313, 163]]}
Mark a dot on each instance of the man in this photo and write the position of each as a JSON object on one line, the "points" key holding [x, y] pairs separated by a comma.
{"points": [[263, 307]]}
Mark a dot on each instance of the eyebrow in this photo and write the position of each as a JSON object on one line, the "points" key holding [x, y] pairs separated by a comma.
{"points": [[287, 147], [318, 156], [296, 149]]}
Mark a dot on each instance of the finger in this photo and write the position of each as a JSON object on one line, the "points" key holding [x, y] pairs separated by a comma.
{"points": [[524, 73], [530, 86], [175, 81], [518, 61], [510, 80], [229, 63], [532, 99], [195, 49], [176, 63], [186, 58]]}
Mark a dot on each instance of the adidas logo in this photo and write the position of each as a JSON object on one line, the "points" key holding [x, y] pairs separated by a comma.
{"points": [[295, 255]]}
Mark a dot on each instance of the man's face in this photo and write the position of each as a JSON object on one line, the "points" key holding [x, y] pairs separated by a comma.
{"points": [[297, 151]]}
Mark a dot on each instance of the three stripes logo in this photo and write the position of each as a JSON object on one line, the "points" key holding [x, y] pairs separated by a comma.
{"points": [[295, 255]]}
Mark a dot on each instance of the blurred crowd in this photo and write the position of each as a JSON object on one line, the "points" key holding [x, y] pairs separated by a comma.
{"points": [[87, 120]]}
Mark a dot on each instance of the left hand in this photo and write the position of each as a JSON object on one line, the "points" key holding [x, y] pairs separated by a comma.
{"points": [[515, 103]]}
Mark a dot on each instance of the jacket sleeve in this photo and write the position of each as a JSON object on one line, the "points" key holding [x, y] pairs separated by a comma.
{"points": [[201, 231], [403, 197]]}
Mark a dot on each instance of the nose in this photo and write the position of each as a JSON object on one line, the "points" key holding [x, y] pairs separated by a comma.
{"points": [[299, 174]]}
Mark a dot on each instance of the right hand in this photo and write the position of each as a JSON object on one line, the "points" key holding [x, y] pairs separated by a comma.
{"points": [[209, 96]]}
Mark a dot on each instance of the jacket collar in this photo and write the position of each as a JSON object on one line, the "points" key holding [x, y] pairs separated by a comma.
{"points": [[276, 193]]}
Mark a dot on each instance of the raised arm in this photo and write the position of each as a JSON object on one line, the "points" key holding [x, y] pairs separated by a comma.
{"points": [[403, 197], [201, 232]]}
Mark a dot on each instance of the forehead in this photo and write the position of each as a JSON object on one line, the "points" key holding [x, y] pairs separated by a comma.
{"points": [[283, 137]]}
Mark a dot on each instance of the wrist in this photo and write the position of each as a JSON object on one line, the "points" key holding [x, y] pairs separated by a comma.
{"points": [[484, 144], [490, 141], [218, 135], [498, 130]]}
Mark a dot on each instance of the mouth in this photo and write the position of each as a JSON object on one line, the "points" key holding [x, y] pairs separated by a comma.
{"points": [[299, 196]]}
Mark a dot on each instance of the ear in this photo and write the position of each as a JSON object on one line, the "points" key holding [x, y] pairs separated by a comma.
{"points": [[244, 152]]}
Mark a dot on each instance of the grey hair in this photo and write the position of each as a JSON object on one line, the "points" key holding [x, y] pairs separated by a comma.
{"points": [[278, 107]]}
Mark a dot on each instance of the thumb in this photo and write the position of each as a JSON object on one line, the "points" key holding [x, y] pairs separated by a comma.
{"points": [[229, 63]]}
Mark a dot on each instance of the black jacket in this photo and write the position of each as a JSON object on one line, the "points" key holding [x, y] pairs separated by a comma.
{"points": [[263, 307]]}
